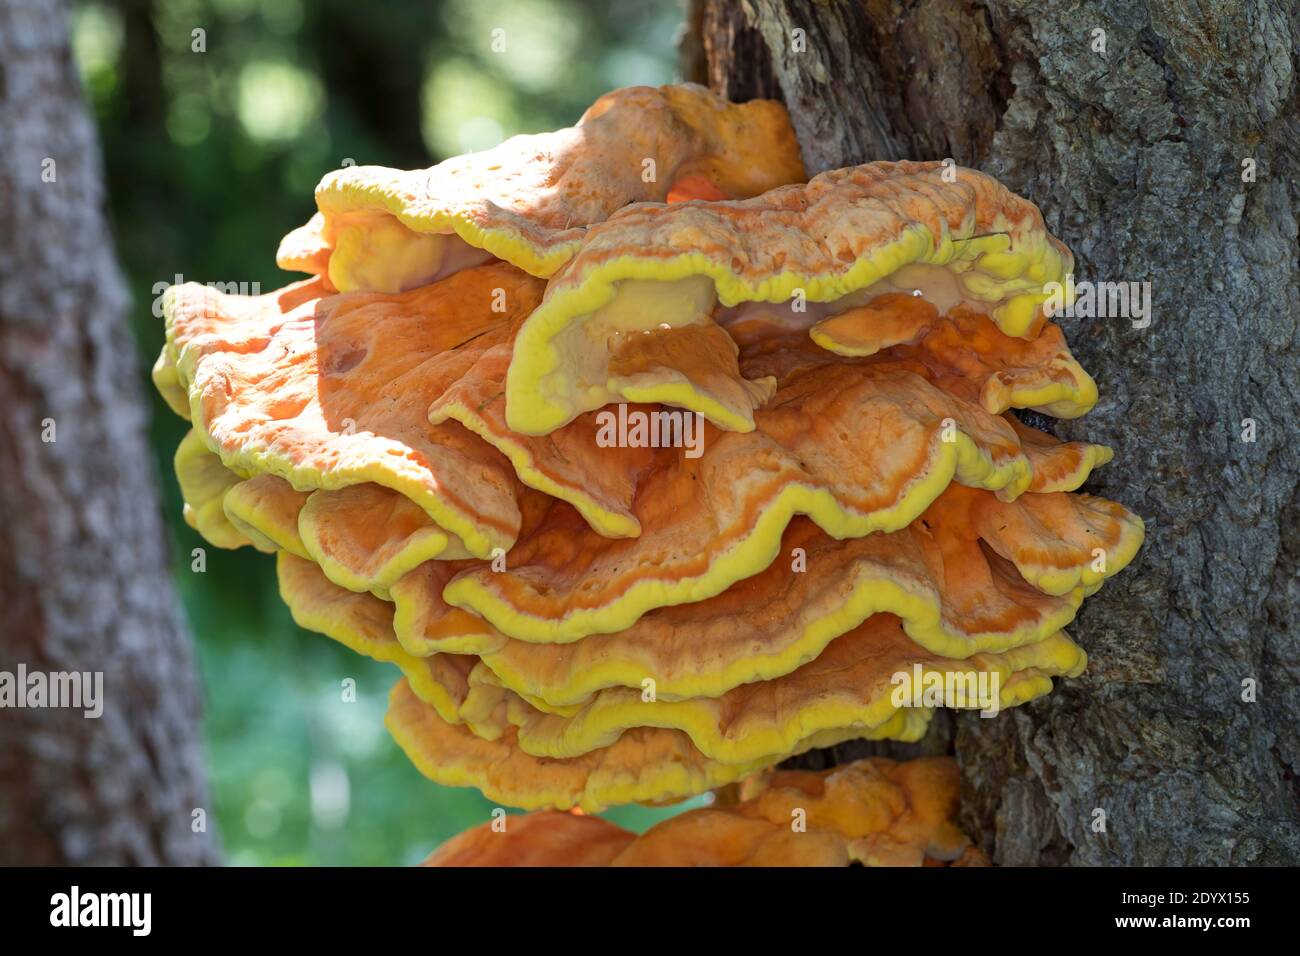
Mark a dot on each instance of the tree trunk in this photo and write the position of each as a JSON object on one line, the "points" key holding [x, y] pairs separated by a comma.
{"points": [[84, 583], [1130, 125]]}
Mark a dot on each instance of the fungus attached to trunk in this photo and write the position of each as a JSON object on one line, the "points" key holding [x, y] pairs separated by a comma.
{"points": [[788, 258], [529, 200], [875, 812], [674, 491]]}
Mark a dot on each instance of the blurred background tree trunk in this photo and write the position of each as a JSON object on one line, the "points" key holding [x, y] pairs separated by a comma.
{"points": [[84, 582], [1159, 139]]}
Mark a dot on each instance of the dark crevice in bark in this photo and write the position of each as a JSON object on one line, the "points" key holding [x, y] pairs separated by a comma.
{"points": [[736, 60]]}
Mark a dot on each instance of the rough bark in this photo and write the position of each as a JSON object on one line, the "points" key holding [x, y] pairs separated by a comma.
{"points": [[1135, 156], [84, 583]]}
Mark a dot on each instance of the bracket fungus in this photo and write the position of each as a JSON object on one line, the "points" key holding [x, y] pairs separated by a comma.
{"points": [[875, 812], [785, 258], [647, 483], [529, 200]]}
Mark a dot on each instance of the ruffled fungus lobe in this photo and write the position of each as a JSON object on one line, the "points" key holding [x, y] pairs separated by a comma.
{"points": [[791, 256], [645, 765], [705, 524], [955, 591], [204, 483], [850, 684], [333, 392], [462, 728], [529, 200], [545, 838], [875, 812], [844, 527]]}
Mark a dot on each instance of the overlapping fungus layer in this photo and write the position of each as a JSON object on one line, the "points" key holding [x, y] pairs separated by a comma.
{"points": [[874, 812], [646, 483]]}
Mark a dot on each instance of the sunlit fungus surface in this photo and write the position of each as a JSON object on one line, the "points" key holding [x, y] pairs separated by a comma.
{"points": [[649, 464], [874, 812]]}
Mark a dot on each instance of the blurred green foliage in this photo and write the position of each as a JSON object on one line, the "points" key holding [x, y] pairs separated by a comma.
{"points": [[213, 143]]}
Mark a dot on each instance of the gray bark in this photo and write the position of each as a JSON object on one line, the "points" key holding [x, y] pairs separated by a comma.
{"points": [[84, 582], [1135, 156]]}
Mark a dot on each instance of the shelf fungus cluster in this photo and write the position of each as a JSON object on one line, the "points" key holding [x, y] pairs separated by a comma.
{"points": [[875, 812], [649, 463]]}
